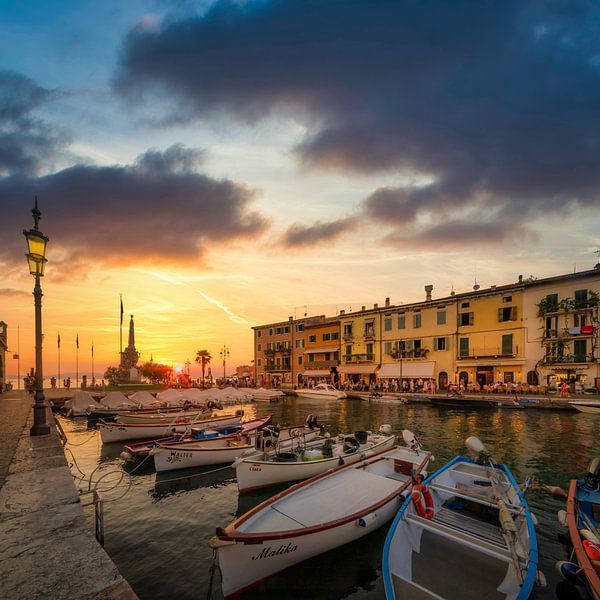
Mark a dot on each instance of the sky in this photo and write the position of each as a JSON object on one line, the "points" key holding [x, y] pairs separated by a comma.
{"points": [[225, 164]]}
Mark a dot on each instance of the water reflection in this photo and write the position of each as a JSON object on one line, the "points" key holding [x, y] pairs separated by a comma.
{"points": [[158, 533]]}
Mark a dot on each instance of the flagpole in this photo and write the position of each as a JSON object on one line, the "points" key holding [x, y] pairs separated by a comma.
{"points": [[18, 359], [77, 363], [121, 331], [58, 341], [93, 363]]}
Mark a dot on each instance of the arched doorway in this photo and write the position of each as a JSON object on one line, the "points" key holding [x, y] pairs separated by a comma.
{"points": [[463, 379], [532, 378], [443, 380]]}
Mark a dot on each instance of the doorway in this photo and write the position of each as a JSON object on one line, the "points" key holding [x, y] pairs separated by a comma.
{"points": [[485, 376]]}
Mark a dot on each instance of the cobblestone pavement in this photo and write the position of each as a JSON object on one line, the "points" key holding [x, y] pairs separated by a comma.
{"points": [[14, 410]]}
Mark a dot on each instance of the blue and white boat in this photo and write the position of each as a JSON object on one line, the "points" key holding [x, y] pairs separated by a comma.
{"points": [[466, 533]]}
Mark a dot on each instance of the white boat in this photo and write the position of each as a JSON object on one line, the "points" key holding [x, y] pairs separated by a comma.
{"points": [[384, 398], [465, 534], [180, 416], [591, 406], [215, 449], [121, 432], [321, 390], [264, 394], [308, 459], [312, 517]]}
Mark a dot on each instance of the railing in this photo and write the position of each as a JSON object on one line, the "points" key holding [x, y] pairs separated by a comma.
{"points": [[321, 364], [569, 359], [489, 353], [271, 368], [357, 358], [348, 336], [414, 353], [564, 332]]}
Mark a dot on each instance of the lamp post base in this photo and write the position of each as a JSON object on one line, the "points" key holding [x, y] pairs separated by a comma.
{"points": [[40, 426], [39, 430]]}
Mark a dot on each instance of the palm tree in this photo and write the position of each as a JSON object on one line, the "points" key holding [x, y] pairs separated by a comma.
{"points": [[203, 358]]}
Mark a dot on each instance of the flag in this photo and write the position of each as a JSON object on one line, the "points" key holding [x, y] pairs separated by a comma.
{"points": [[121, 309], [58, 340], [77, 340]]}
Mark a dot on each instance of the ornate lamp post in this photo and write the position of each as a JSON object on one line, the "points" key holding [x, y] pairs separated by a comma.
{"points": [[224, 353], [36, 258]]}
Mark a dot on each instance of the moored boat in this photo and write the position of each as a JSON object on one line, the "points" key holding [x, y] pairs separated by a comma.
{"points": [[384, 398], [307, 459], [469, 403], [121, 432], [583, 521], [321, 390], [312, 517], [466, 533], [590, 407]]}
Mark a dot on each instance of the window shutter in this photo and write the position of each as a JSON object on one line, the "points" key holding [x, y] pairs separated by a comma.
{"points": [[513, 313], [500, 315], [471, 318]]}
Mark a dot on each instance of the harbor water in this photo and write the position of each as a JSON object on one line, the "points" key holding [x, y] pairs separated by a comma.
{"points": [[157, 527]]}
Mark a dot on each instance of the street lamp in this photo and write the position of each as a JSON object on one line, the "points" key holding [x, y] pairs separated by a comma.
{"points": [[36, 258], [224, 353]]}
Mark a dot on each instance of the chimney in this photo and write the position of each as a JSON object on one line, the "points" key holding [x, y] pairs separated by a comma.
{"points": [[428, 290], [342, 312], [387, 302], [362, 308], [520, 278], [375, 305], [291, 319]]}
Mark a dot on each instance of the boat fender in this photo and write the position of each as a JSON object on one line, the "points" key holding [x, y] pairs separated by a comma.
{"points": [[586, 534], [422, 501], [571, 572], [592, 551], [367, 520]]}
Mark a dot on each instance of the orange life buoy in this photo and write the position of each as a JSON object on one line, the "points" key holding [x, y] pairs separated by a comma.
{"points": [[593, 553], [422, 501]]}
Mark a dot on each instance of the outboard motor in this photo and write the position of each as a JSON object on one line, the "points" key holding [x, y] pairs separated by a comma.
{"points": [[592, 475], [385, 429], [312, 422]]}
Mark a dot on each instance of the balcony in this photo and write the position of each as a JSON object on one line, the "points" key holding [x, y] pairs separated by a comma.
{"points": [[569, 359], [411, 353], [568, 332], [321, 364], [491, 352], [358, 358], [369, 334], [348, 337], [278, 348], [275, 368]]}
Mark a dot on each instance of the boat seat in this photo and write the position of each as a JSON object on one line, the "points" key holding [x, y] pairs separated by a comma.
{"points": [[480, 499], [398, 476], [463, 529]]}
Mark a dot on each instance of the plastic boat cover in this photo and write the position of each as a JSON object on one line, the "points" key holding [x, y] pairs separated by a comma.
{"points": [[170, 395], [116, 400], [80, 401], [144, 398]]}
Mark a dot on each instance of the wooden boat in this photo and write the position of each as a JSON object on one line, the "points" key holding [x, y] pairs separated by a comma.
{"points": [[307, 459], [165, 418], [312, 517], [384, 398], [111, 414], [583, 521], [137, 450], [465, 534], [590, 406], [468, 403], [121, 432]]}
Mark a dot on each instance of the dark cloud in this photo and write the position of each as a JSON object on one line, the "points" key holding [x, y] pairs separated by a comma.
{"points": [[157, 210], [300, 235], [13, 293], [494, 104], [26, 143]]}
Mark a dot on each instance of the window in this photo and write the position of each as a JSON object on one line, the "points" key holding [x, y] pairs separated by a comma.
{"points": [[335, 335], [370, 351], [387, 324], [579, 350], [259, 333], [300, 327], [348, 350], [259, 362], [507, 299], [509, 376], [441, 317], [417, 320], [347, 329], [387, 348], [336, 355], [312, 338], [271, 331], [326, 337], [552, 302], [259, 347], [532, 378], [579, 320], [507, 344], [286, 329], [551, 327], [465, 319], [370, 329], [581, 298], [507, 313], [401, 322], [464, 347], [299, 360], [439, 343], [311, 358], [327, 355], [300, 343], [465, 305]]}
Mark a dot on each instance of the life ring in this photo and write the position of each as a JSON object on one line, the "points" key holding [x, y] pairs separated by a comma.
{"points": [[422, 501], [592, 551]]}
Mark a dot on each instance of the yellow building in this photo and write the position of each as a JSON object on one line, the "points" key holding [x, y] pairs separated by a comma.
{"points": [[322, 350]]}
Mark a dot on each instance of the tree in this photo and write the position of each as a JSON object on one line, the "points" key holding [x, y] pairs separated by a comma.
{"points": [[112, 375], [156, 372], [203, 357]]}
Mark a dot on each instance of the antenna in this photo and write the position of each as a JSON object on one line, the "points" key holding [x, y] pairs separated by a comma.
{"points": [[597, 253], [305, 310], [476, 286]]}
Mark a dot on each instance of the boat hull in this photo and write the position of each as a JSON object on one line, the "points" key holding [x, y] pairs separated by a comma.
{"points": [[253, 474], [321, 395], [587, 407], [121, 432], [466, 403], [182, 457]]}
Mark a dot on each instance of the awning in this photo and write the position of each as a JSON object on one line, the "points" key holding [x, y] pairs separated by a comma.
{"points": [[316, 373], [357, 369], [409, 370], [321, 350]]}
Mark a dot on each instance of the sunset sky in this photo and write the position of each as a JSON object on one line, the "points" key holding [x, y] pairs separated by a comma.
{"points": [[224, 164]]}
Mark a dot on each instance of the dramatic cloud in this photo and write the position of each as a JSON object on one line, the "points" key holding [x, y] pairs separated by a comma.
{"points": [[14, 293], [157, 210], [495, 105], [26, 143], [299, 235]]}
